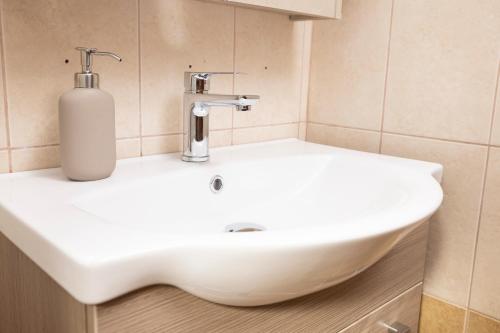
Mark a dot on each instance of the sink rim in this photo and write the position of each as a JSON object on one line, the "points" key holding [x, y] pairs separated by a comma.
{"points": [[79, 259]]}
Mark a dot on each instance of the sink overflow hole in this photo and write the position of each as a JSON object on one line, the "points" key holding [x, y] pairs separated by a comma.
{"points": [[216, 184], [244, 227]]}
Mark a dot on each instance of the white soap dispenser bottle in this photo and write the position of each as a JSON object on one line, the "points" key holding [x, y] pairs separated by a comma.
{"points": [[87, 124]]}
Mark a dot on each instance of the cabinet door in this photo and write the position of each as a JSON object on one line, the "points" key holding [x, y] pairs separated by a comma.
{"points": [[298, 9], [403, 310]]}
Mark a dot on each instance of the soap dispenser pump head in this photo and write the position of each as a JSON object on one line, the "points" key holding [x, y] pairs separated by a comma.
{"points": [[86, 78]]}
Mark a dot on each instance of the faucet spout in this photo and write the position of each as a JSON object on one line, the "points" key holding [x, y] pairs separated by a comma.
{"points": [[241, 102]]}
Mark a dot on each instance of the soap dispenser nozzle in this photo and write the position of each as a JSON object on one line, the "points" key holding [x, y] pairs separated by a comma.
{"points": [[86, 78]]}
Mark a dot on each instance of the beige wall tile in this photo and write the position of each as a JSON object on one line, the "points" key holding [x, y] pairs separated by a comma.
{"points": [[495, 135], [485, 296], [174, 35], [220, 138], [161, 144], [173, 143], [4, 161], [3, 119], [306, 70], [344, 137], [264, 133], [440, 317], [40, 35], [127, 148], [48, 157], [303, 131], [221, 117], [453, 228], [272, 41], [442, 69], [348, 67], [482, 324], [35, 158], [3, 128]]}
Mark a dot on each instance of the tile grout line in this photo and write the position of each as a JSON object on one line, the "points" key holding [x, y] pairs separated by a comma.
{"points": [[4, 89], [476, 240], [234, 73], [139, 71], [408, 135], [495, 97], [216, 130], [311, 32], [123, 138], [341, 126], [57, 144], [35, 147], [153, 136], [384, 99], [272, 125], [485, 316], [301, 76], [437, 139], [481, 205]]}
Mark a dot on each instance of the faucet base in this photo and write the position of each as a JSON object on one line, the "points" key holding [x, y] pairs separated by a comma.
{"points": [[187, 158]]}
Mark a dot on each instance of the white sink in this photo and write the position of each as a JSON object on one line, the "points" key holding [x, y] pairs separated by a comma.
{"points": [[328, 214]]}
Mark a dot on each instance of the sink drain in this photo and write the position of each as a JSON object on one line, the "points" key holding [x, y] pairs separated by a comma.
{"points": [[244, 227]]}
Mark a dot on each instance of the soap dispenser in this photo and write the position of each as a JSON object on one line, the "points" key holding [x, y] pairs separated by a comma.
{"points": [[87, 124]]}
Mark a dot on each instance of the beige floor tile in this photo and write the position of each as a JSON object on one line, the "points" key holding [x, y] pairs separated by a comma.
{"points": [[35, 158], [482, 324], [128, 148], [4, 161], [175, 35], [161, 144], [453, 228], [265, 133], [443, 67], [440, 317], [344, 137], [40, 35], [348, 67], [269, 49], [485, 296]]}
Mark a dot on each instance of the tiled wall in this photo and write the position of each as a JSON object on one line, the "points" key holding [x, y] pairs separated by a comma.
{"points": [[419, 79], [402, 77], [158, 40]]}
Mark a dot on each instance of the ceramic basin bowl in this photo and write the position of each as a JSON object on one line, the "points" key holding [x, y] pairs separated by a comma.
{"points": [[289, 218]]}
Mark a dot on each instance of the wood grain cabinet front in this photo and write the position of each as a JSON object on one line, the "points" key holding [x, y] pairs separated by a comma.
{"points": [[398, 315]]}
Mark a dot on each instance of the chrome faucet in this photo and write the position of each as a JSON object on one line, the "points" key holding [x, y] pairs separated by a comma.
{"points": [[196, 105]]}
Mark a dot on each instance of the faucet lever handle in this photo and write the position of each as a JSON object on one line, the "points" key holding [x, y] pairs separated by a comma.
{"points": [[199, 82]]}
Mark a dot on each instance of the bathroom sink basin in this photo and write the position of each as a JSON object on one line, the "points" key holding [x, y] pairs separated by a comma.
{"points": [[284, 219]]}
